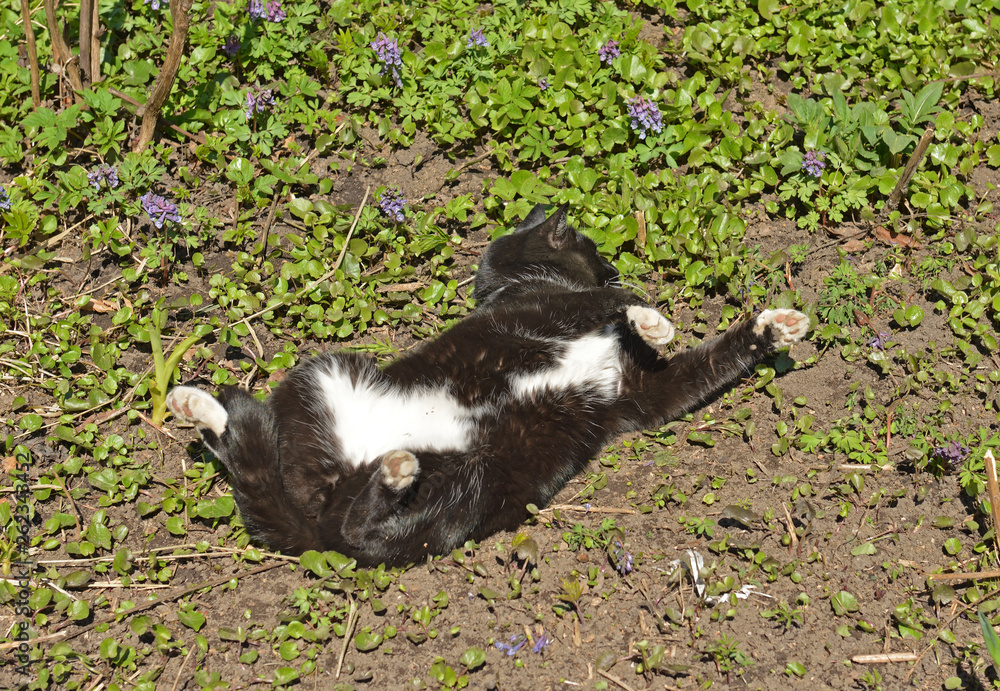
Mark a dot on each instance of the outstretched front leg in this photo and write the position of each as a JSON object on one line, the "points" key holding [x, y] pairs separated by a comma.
{"points": [[658, 391], [651, 326]]}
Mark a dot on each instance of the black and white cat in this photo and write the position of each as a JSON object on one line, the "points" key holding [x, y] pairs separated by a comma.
{"points": [[452, 441]]}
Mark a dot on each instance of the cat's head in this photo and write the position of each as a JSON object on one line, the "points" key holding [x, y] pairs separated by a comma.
{"points": [[542, 251]]}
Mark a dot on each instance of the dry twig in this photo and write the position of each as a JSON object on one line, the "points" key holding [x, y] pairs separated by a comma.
{"points": [[29, 36], [904, 179], [180, 12]]}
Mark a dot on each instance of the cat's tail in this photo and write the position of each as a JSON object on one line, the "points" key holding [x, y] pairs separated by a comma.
{"points": [[242, 433]]}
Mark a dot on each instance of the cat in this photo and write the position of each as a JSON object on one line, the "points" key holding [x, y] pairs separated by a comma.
{"points": [[453, 440]]}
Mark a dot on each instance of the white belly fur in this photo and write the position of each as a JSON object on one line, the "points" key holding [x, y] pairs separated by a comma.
{"points": [[370, 419]]}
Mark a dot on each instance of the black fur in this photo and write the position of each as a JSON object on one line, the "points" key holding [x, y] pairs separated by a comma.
{"points": [[539, 287]]}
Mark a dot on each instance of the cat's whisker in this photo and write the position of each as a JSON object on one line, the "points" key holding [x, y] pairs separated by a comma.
{"points": [[641, 289]]}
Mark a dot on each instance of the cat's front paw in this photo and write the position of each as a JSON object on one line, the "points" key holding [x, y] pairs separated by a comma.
{"points": [[399, 469], [651, 326], [198, 408], [787, 326]]}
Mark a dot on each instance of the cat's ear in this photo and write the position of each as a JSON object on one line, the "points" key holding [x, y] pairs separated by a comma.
{"points": [[535, 218], [557, 230]]}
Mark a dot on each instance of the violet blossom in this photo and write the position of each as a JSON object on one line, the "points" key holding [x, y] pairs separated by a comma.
{"points": [[257, 102], [645, 116], [388, 52], [951, 453], [814, 163], [476, 38], [103, 174], [609, 51], [159, 209], [516, 643], [392, 203]]}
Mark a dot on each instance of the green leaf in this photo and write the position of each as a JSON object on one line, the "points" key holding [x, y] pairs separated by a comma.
{"points": [[366, 640], [844, 603], [339, 563], [489, 595], [175, 524], [923, 104], [993, 156], [473, 658], [32, 422], [122, 563], [633, 69], [104, 479], [216, 508], [285, 675], [908, 317], [193, 619], [288, 650], [768, 175], [315, 562], [240, 171], [992, 641], [768, 8], [78, 579], [503, 92], [796, 668], [863, 549], [78, 610]]}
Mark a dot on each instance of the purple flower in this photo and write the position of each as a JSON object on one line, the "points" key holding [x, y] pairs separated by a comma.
{"points": [[274, 11], [476, 38], [878, 341], [541, 643], [155, 4], [232, 46], [621, 559], [645, 116], [608, 52], [516, 643], [256, 10], [543, 84], [103, 174], [392, 203], [387, 51], [257, 102], [951, 453], [159, 209], [4, 199], [813, 163]]}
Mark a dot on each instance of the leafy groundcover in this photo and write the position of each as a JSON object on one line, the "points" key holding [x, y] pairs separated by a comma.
{"points": [[327, 174]]}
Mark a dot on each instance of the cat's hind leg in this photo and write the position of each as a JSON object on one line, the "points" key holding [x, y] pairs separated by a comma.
{"points": [[650, 325], [199, 408], [399, 470], [375, 522], [243, 435]]}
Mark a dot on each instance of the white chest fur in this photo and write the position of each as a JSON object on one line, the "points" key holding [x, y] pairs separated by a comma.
{"points": [[370, 419], [590, 362]]}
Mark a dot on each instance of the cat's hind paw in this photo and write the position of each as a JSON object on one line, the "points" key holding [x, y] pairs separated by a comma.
{"points": [[650, 325], [198, 408], [787, 326], [399, 469]]}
